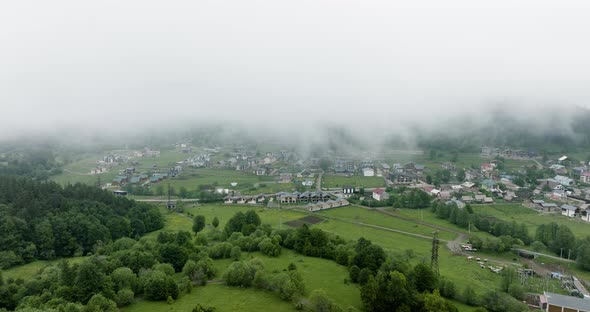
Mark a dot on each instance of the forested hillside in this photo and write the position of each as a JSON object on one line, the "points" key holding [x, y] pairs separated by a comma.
{"points": [[43, 220]]}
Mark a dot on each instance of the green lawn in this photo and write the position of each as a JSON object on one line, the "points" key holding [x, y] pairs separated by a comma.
{"points": [[427, 216], [192, 179], [357, 214], [532, 219], [317, 274], [28, 270], [331, 181]]}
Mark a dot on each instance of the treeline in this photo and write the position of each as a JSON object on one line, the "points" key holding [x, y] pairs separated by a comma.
{"points": [[399, 197], [43, 220], [39, 163], [559, 239], [508, 233]]}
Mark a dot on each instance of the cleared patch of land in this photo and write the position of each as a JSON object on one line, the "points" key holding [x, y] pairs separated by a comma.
{"points": [[305, 220], [333, 181]]}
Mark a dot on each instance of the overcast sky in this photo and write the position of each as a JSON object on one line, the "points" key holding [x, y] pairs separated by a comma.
{"points": [[121, 64]]}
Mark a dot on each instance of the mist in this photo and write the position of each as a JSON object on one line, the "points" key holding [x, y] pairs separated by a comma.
{"points": [[289, 69]]}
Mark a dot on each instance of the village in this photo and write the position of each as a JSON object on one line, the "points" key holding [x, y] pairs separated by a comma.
{"points": [[547, 185]]}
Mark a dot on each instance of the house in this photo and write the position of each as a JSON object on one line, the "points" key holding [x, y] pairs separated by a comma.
{"points": [[585, 177], [444, 195], [435, 192], [380, 194], [347, 191], [479, 198], [488, 200], [585, 212], [368, 172], [568, 210], [260, 171], [548, 207], [468, 184], [551, 302], [448, 166], [119, 180], [307, 183], [386, 168], [284, 179], [403, 178], [466, 198], [565, 181], [557, 193], [489, 184], [486, 151]]}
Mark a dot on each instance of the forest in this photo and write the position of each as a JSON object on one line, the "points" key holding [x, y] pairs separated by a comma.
{"points": [[43, 220]]}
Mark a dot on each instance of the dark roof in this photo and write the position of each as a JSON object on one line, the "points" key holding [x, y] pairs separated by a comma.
{"points": [[568, 301]]}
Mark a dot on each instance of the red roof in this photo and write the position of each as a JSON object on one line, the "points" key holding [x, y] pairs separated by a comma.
{"points": [[378, 191]]}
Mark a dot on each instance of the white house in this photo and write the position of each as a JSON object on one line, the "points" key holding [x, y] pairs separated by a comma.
{"points": [[380, 194], [565, 181], [568, 210], [585, 177], [347, 191], [368, 172]]}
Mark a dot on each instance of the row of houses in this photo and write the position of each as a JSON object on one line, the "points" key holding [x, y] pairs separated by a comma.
{"points": [[304, 197], [488, 151], [245, 200], [340, 202], [569, 210]]}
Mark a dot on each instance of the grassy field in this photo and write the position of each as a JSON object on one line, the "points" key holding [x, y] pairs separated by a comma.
{"points": [[531, 218], [331, 181], [78, 171], [30, 269], [427, 216], [192, 179], [357, 214]]}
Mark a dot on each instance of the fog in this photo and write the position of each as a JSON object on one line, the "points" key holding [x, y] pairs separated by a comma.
{"points": [[288, 67]]}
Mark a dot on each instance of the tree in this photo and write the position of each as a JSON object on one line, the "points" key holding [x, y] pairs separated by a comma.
{"points": [[198, 223], [320, 302], [173, 254], [159, 286], [354, 273], [470, 297], [240, 274], [183, 192], [423, 278], [215, 222], [236, 253], [98, 303], [124, 297], [461, 175], [124, 277]]}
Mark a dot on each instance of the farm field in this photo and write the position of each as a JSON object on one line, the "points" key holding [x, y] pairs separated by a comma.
{"points": [[427, 216], [77, 172], [331, 181], [357, 214], [192, 179], [532, 219]]}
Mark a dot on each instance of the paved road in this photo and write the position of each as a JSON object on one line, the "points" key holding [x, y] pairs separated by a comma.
{"points": [[165, 200], [318, 184], [544, 255]]}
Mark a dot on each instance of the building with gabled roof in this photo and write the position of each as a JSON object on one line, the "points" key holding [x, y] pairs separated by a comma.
{"points": [[551, 302]]}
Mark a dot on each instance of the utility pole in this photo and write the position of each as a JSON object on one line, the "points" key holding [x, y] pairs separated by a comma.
{"points": [[434, 258], [561, 253]]}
